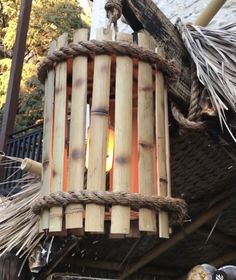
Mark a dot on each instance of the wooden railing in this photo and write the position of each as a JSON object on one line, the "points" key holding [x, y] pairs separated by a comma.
{"points": [[25, 143]]}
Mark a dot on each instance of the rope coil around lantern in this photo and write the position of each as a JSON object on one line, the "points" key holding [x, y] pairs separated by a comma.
{"points": [[94, 47], [176, 207]]}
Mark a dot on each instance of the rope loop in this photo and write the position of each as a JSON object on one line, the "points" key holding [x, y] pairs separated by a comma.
{"points": [[114, 10], [193, 119]]}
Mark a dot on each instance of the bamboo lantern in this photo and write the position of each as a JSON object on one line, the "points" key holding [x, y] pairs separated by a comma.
{"points": [[123, 149]]}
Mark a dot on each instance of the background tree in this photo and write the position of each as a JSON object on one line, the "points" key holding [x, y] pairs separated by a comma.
{"points": [[49, 19]]}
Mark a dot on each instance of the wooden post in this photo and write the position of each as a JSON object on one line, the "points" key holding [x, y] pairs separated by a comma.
{"points": [[94, 215], [74, 212], [47, 136], [147, 218], [211, 10], [59, 138], [13, 89], [162, 149], [120, 218]]}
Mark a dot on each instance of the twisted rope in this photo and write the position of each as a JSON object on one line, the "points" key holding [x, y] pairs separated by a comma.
{"points": [[93, 47], [194, 110], [192, 121], [174, 206]]}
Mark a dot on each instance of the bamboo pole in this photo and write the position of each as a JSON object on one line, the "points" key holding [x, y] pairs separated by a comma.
{"points": [[95, 214], [31, 166], [59, 138], [120, 218], [147, 218], [162, 139], [47, 138], [210, 11], [74, 212]]}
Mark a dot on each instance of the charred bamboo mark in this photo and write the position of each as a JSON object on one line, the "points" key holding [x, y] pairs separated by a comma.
{"points": [[46, 120], [101, 111], [122, 160], [45, 164], [146, 145], [105, 68], [163, 180], [77, 154], [58, 90], [146, 89], [54, 173], [79, 82]]}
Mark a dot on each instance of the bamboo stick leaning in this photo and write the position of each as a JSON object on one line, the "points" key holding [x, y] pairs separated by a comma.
{"points": [[32, 166], [120, 218], [95, 214], [147, 218], [209, 12], [74, 212], [59, 168], [47, 134]]}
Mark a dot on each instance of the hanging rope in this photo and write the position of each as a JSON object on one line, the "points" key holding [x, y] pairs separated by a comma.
{"points": [[193, 119]]}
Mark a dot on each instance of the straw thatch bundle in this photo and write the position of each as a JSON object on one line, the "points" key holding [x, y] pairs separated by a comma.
{"points": [[214, 53], [19, 226]]}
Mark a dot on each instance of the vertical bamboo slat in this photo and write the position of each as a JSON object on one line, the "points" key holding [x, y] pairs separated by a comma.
{"points": [[167, 140], [59, 138], [95, 214], [161, 132], [47, 134], [74, 212], [120, 218], [147, 218]]}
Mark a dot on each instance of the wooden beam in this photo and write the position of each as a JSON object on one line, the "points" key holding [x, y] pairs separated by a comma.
{"points": [[69, 276], [190, 228], [223, 260], [145, 14], [11, 105], [75, 263]]}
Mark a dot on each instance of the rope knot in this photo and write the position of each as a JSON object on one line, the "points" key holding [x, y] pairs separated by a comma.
{"points": [[114, 10]]}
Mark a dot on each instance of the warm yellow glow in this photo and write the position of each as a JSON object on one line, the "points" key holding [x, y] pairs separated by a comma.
{"points": [[110, 149]]}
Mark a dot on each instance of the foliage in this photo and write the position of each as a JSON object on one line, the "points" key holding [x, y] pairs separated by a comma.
{"points": [[49, 19]]}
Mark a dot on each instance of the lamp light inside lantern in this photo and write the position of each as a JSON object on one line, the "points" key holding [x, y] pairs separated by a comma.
{"points": [[110, 149]]}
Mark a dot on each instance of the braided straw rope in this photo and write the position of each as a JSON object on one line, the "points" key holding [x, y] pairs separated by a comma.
{"points": [[94, 47], [174, 206]]}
